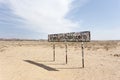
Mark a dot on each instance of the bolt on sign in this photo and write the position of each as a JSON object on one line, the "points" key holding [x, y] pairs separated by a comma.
{"points": [[70, 37]]}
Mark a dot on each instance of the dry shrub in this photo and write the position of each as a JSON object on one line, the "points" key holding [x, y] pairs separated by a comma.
{"points": [[117, 55], [61, 46], [3, 48], [105, 45]]}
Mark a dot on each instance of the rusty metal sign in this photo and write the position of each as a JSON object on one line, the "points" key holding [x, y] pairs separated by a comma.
{"points": [[70, 37]]}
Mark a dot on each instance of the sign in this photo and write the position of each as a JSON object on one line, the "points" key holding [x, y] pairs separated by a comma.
{"points": [[70, 37]]}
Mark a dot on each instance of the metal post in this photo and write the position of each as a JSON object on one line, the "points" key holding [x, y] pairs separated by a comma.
{"points": [[82, 54], [66, 53], [53, 52]]}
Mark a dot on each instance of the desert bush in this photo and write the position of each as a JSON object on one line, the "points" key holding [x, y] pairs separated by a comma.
{"points": [[117, 55]]}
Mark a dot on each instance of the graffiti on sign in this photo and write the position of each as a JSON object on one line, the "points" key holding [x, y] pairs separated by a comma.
{"points": [[70, 37]]}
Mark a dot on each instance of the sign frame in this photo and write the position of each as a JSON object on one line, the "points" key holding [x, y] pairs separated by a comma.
{"points": [[70, 37]]}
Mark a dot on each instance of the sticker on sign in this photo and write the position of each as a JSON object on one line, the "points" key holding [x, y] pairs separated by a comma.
{"points": [[70, 37]]}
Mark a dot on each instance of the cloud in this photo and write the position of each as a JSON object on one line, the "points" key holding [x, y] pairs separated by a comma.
{"points": [[1, 1], [79, 3], [4, 1], [44, 16]]}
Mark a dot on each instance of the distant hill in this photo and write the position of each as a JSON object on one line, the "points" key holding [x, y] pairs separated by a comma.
{"points": [[15, 39]]}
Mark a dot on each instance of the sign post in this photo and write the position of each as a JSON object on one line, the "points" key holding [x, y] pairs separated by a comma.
{"points": [[66, 52], [82, 54], [70, 37], [53, 51]]}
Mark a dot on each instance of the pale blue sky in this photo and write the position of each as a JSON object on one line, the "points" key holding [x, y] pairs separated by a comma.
{"points": [[36, 19]]}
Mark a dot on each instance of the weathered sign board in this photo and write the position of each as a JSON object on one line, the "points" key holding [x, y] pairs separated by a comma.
{"points": [[70, 37]]}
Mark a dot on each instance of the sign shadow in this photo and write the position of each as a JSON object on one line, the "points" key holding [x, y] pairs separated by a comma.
{"points": [[41, 65]]}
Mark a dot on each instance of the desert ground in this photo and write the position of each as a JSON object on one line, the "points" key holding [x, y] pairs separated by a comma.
{"points": [[33, 60]]}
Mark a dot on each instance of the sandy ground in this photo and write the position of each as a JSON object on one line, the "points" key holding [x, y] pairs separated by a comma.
{"points": [[33, 60]]}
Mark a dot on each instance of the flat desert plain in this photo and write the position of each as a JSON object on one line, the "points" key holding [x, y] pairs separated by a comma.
{"points": [[33, 60]]}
